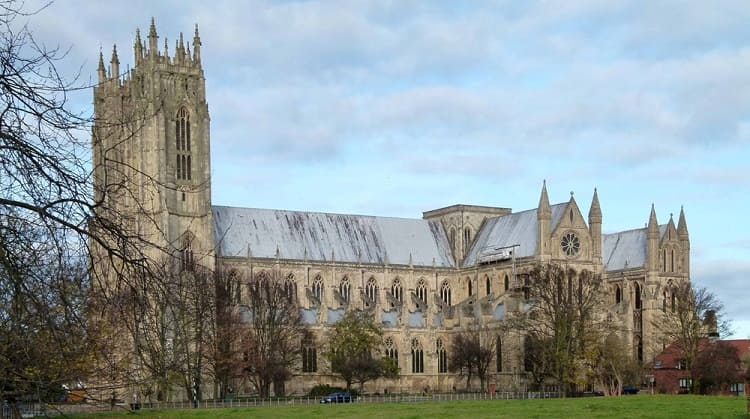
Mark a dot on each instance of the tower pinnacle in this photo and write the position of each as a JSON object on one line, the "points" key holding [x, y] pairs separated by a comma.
{"points": [[196, 47], [115, 63], [153, 49], [138, 47], [101, 70], [544, 208], [682, 229], [653, 225], [595, 212]]}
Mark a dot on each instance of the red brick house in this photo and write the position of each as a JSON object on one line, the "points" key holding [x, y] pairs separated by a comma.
{"points": [[672, 376]]}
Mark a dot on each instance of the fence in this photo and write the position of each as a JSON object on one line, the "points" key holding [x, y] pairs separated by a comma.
{"points": [[55, 409]]}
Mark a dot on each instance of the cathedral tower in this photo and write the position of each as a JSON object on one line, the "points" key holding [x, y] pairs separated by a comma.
{"points": [[151, 145]]}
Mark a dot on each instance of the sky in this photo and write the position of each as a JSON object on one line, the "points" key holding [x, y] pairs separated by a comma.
{"points": [[393, 108]]}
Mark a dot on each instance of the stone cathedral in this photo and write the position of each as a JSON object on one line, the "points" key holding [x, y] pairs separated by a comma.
{"points": [[423, 278]]}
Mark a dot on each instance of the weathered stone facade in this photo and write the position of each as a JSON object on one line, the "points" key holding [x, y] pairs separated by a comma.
{"points": [[424, 279]]}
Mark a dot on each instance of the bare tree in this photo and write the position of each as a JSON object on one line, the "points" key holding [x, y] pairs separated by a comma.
{"points": [[614, 365], [561, 323], [226, 336], [45, 214], [271, 330], [50, 224], [696, 314], [472, 352]]}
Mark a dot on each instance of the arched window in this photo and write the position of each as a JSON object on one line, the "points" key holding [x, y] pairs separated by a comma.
{"points": [[391, 351], [317, 287], [664, 302], [618, 294], [182, 141], [487, 285], [345, 289], [637, 296], [468, 286], [186, 254], [262, 280], [664, 260], [422, 290], [526, 287], [397, 291], [671, 264], [454, 244], [371, 291], [499, 352], [445, 293], [442, 356], [417, 357], [467, 239], [674, 300], [507, 282], [290, 288], [309, 355], [639, 348]]}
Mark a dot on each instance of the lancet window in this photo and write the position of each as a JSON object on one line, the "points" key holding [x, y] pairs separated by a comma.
{"points": [[184, 164]]}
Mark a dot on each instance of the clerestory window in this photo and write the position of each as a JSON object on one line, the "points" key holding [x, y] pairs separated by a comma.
{"points": [[445, 293], [422, 290], [397, 291], [345, 289], [371, 291]]}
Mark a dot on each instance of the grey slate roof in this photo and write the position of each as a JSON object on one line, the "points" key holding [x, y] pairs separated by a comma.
{"points": [[325, 237], [506, 230], [626, 249]]}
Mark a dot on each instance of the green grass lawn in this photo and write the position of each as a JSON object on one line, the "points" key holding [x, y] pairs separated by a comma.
{"points": [[641, 406]]}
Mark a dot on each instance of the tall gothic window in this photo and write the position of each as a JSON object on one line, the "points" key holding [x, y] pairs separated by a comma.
{"points": [[506, 282], [391, 351], [445, 293], [637, 296], [442, 357], [317, 288], [397, 291], [290, 288], [422, 290], [417, 357], [468, 286], [499, 352], [345, 289], [184, 166], [371, 291], [467, 239], [639, 348], [309, 355], [618, 294], [262, 282], [186, 255], [487, 285], [671, 263]]}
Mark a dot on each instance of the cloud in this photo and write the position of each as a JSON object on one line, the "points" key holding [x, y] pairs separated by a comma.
{"points": [[423, 103], [728, 279]]}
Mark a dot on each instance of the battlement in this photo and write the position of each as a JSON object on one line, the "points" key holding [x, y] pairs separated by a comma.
{"points": [[147, 56]]}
